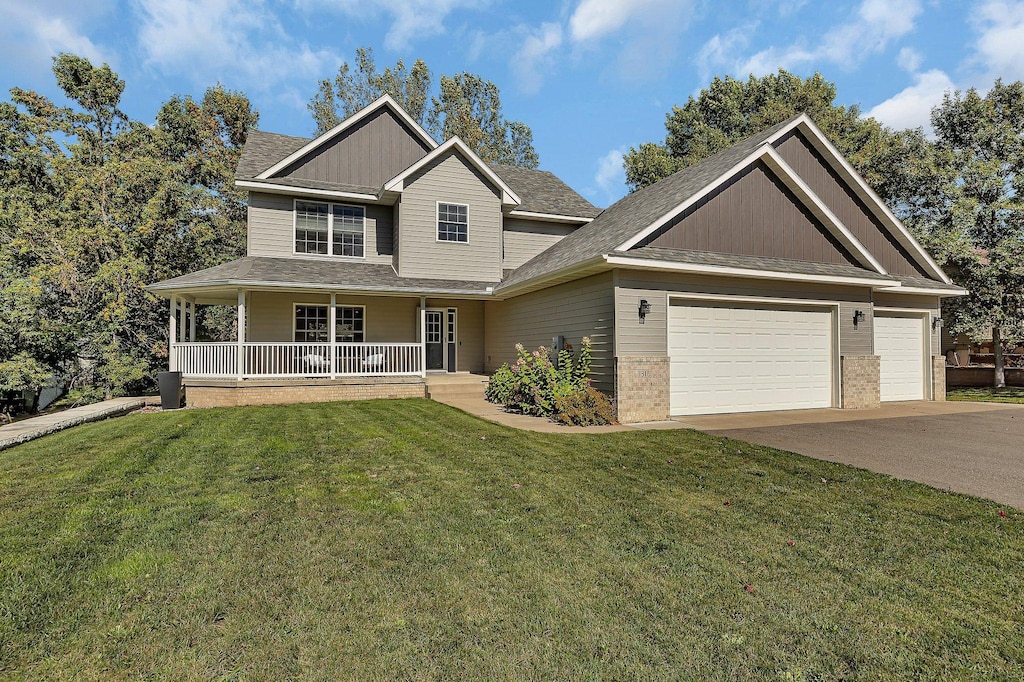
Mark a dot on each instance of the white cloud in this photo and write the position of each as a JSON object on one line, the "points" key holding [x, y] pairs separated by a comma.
{"points": [[594, 19], [720, 48], [1000, 46], [909, 59], [874, 25], [208, 40], [534, 57], [33, 32], [911, 107], [610, 177], [411, 20]]}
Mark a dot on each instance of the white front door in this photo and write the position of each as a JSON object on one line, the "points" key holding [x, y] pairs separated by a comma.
{"points": [[899, 343], [749, 358]]}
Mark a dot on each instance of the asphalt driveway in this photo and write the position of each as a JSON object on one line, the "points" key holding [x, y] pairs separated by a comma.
{"points": [[973, 448]]}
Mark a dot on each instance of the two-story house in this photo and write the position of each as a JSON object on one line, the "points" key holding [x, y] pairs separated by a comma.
{"points": [[768, 276]]}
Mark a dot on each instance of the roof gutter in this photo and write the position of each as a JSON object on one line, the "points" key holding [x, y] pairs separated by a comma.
{"points": [[305, 286], [944, 293], [272, 188]]}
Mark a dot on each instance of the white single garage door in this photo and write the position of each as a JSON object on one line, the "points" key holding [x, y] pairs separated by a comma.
{"points": [[899, 342], [749, 358]]}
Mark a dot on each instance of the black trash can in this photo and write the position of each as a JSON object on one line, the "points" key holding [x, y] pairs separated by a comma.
{"points": [[170, 389]]}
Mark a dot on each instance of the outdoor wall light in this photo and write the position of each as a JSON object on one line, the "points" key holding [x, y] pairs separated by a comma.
{"points": [[858, 317], [937, 323], [645, 308]]}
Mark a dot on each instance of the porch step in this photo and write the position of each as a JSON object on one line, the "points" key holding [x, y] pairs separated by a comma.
{"points": [[454, 388]]}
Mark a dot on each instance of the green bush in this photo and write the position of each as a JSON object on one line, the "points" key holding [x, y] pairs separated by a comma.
{"points": [[588, 407], [535, 385]]}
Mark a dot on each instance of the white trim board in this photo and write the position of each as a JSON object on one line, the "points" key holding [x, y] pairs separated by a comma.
{"points": [[548, 217], [384, 100], [271, 188], [808, 198], [508, 195]]}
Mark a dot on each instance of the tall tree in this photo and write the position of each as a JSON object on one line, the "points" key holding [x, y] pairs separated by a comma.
{"points": [[352, 89], [469, 107], [976, 225], [466, 105], [118, 205], [729, 110]]}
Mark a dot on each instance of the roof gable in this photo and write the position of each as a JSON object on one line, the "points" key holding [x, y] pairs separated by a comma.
{"points": [[455, 146], [353, 122]]}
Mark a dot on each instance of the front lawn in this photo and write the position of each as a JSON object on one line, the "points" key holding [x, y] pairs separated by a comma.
{"points": [[1010, 394], [407, 540]]}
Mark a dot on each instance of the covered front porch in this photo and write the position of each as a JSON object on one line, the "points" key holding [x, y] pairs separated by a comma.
{"points": [[301, 334]]}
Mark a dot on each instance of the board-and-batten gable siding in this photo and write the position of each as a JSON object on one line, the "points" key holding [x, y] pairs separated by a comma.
{"points": [[932, 304], [584, 307], [523, 239], [370, 153], [651, 337], [271, 229], [469, 332], [450, 180], [845, 204], [271, 315], [752, 214]]}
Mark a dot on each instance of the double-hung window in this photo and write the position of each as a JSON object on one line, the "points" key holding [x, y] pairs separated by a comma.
{"points": [[325, 228], [452, 222], [312, 323]]}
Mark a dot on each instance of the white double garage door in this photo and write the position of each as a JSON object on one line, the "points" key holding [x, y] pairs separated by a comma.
{"points": [[750, 358]]}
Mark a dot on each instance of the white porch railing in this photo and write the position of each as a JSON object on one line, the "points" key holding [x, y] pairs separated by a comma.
{"points": [[283, 360]]}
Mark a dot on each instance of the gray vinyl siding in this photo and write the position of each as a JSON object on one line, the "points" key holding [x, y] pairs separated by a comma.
{"points": [[585, 307], [388, 320], [369, 154], [450, 180], [524, 239], [651, 337], [752, 214], [272, 229], [930, 303], [469, 332], [845, 204]]}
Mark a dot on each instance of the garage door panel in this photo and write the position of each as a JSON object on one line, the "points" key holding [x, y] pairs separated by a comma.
{"points": [[900, 344], [758, 358]]}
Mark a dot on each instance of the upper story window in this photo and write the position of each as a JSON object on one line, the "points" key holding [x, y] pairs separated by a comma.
{"points": [[325, 228], [452, 222]]}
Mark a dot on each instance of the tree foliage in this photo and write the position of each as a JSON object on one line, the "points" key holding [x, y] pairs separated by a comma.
{"points": [[88, 221], [972, 213], [729, 110], [465, 105]]}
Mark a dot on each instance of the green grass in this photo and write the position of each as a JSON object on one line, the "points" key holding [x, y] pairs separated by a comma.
{"points": [[407, 540], [1010, 394]]}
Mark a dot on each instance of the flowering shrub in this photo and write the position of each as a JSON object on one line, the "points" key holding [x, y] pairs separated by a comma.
{"points": [[535, 385], [588, 407]]}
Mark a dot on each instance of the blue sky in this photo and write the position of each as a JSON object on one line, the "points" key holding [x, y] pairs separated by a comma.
{"points": [[591, 77]]}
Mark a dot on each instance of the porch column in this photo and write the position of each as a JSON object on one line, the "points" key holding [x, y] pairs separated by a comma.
{"points": [[182, 329], [192, 320], [241, 333], [172, 333], [332, 318], [423, 336]]}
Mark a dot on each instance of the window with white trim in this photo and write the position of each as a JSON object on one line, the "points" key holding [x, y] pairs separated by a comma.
{"points": [[312, 323], [452, 222], [324, 228]]}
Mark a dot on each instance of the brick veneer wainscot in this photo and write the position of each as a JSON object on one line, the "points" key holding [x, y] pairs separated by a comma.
{"points": [[642, 388], [860, 378], [938, 377], [208, 395]]}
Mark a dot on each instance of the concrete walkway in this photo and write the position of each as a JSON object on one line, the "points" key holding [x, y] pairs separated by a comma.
{"points": [[35, 427], [481, 408]]}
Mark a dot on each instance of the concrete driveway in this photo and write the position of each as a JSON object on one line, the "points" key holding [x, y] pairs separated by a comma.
{"points": [[973, 448]]}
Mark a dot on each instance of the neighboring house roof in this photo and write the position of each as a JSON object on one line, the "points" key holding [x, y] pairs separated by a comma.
{"points": [[307, 273], [636, 211], [542, 192]]}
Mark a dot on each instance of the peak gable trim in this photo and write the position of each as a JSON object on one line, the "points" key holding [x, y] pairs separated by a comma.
{"points": [[767, 154], [508, 195], [875, 204], [383, 101]]}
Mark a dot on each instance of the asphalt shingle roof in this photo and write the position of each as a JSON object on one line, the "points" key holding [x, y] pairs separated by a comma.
{"points": [[729, 260], [262, 150], [253, 270], [635, 211]]}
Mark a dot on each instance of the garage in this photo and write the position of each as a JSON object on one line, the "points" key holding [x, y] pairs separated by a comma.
{"points": [[749, 358], [900, 343]]}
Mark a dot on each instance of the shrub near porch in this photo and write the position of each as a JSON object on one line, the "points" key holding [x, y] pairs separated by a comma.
{"points": [[535, 385]]}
